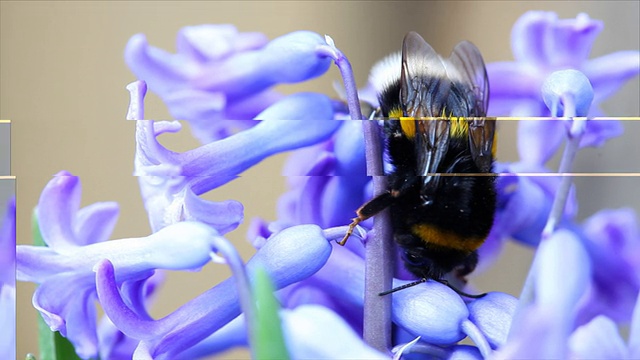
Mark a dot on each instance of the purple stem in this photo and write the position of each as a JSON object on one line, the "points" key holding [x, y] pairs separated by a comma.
{"points": [[379, 256]]}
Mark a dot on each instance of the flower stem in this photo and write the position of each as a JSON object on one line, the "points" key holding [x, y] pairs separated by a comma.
{"points": [[557, 209], [245, 295], [379, 259]]}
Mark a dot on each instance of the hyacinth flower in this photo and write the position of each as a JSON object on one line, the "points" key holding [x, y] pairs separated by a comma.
{"points": [[566, 286], [319, 279], [220, 74], [8, 280], [457, 325], [76, 242], [170, 182], [542, 44]]}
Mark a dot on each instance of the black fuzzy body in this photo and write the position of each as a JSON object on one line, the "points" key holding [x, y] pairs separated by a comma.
{"points": [[461, 205]]}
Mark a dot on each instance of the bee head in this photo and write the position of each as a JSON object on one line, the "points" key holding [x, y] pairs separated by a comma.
{"points": [[418, 262]]}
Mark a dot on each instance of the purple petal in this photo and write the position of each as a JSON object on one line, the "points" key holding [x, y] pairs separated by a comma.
{"points": [[300, 106], [56, 209], [127, 320], [216, 42], [597, 132], [137, 91], [502, 75], [8, 280], [67, 304], [8, 245], [315, 332], [529, 37], [525, 202], [210, 114], [223, 216], [571, 40], [609, 72], [288, 257], [563, 273], [223, 160], [233, 334], [290, 58], [539, 140], [612, 238], [492, 314], [95, 222], [634, 331], [599, 339], [162, 71], [537, 338], [431, 310]]}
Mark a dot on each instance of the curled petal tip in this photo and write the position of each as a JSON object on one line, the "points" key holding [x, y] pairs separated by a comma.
{"points": [[329, 41], [137, 90]]}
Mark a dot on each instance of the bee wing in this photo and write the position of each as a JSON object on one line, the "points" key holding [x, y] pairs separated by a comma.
{"points": [[432, 142], [466, 67], [424, 85]]}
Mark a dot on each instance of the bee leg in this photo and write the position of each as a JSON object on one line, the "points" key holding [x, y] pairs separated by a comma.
{"points": [[371, 208]]}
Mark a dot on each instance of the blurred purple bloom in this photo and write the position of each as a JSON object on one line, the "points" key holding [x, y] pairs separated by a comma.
{"points": [[76, 240], [220, 74], [600, 339], [524, 202], [585, 276], [8, 280], [542, 44], [612, 238], [561, 278]]}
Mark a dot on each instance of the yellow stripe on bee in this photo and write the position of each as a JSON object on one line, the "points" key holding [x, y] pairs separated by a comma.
{"points": [[433, 235], [494, 146], [408, 125], [459, 127]]}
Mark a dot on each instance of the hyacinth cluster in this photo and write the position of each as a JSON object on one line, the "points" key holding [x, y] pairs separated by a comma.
{"points": [[583, 284]]}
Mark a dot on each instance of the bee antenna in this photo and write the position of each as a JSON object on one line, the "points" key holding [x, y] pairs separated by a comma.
{"points": [[402, 287], [461, 293], [443, 282]]}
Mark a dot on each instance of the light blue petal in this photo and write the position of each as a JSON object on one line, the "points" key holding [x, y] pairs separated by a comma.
{"points": [[315, 332], [567, 93], [492, 314], [599, 339], [609, 72], [289, 58], [288, 257], [214, 164]]}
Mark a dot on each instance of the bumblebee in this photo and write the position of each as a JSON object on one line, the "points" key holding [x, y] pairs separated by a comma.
{"points": [[435, 128]]}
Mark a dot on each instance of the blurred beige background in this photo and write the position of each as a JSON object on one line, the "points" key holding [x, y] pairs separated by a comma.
{"points": [[63, 79]]}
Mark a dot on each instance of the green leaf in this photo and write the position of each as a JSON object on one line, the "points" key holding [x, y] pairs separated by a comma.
{"points": [[53, 346], [268, 341]]}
